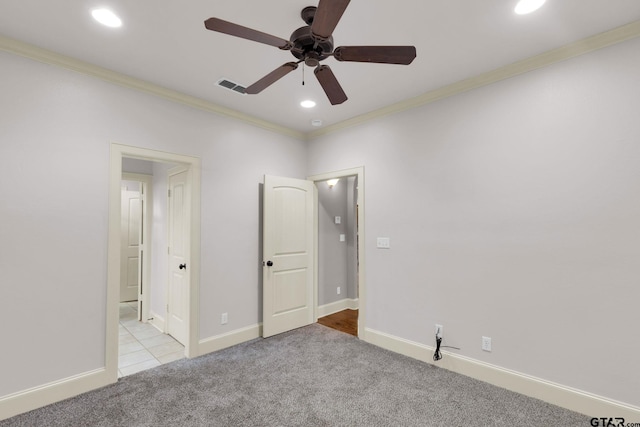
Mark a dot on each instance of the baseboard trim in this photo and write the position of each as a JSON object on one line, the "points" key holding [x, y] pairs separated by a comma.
{"points": [[334, 307], [157, 321], [550, 392], [238, 336], [55, 391]]}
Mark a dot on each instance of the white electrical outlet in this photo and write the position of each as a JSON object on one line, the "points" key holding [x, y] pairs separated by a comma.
{"points": [[224, 318], [439, 331], [486, 343], [338, 290]]}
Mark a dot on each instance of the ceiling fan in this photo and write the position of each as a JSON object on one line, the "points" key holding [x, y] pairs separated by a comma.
{"points": [[312, 44]]}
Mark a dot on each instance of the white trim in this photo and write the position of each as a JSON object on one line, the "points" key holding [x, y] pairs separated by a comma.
{"points": [[580, 47], [55, 391], [157, 321], [362, 288], [556, 394], [334, 307], [48, 57], [229, 339]]}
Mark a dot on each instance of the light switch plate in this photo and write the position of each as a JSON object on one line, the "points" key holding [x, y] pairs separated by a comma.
{"points": [[343, 238], [338, 220], [384, 243]]}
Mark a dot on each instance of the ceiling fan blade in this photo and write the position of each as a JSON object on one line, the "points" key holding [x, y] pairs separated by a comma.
{"points": [[330, 85], [327, 16], [271, 78], [215, 24], [381, 54]]}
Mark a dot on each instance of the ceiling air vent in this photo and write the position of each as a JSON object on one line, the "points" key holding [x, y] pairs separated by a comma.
{"points": [[228, 84]]}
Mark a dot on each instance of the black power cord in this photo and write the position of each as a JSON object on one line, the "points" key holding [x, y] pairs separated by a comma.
{"points": [[437, 355]]}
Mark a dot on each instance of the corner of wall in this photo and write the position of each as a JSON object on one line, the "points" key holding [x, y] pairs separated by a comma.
{"points": [[229, 339]]}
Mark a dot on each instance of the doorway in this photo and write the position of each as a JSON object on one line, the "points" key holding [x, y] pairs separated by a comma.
{"points": [[340, 254], [191, 180], [137, 216], [143, 340]]}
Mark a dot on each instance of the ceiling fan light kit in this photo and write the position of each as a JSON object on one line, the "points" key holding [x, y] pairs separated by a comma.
{"points": [[312, 44]]}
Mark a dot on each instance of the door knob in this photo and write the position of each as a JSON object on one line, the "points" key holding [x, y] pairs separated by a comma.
{"points": [[269, 264], [182, 266]]}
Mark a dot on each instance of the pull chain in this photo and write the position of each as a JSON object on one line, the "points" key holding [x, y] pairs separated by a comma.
{"points": [[302, 74]]}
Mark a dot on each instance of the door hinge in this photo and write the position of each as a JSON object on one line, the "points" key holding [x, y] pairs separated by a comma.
{"points": [[169, 192]]}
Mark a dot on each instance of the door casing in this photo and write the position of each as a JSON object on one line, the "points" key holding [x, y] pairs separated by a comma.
{"points": [[362, 307], [193, 164]]}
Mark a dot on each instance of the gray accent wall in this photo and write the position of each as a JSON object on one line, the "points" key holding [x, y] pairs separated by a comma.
{"points": [[336, 259], [352, 237]]}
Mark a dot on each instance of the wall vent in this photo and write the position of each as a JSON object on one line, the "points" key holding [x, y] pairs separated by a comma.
{"points": [[228, 84]]}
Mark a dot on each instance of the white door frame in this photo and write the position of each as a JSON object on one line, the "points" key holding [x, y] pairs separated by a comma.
{"points": [[362, 305], [118, 151], [144, 297]]}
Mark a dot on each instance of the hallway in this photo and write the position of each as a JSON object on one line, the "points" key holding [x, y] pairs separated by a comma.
{"points": [[140, 345]]}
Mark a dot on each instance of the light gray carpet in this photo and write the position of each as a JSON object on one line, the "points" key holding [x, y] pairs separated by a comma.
{"points": [[313, 376]]}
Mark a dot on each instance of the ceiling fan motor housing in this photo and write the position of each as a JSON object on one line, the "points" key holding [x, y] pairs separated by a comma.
{"points": [[308, 48]]}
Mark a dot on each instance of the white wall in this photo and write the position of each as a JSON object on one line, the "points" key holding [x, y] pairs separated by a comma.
{"points": [[56, 128], [513, 213]]}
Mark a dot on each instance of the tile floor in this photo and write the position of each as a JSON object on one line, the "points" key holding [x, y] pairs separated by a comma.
{"points": [[141, 345]]}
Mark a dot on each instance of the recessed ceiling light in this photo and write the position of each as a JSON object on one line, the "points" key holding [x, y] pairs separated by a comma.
{"points": [[527, 6], [308, 104], [106, 17]]}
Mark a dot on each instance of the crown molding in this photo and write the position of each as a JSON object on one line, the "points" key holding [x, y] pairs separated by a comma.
{"points": [[589, 44], [580, 47], [48, 57]]}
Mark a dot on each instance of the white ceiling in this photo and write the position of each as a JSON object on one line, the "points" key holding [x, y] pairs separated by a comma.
{"points": [[165, 43]]}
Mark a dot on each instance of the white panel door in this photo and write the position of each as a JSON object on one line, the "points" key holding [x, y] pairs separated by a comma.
{"points": [[177, 298], [130, 229], [288, 297]]}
